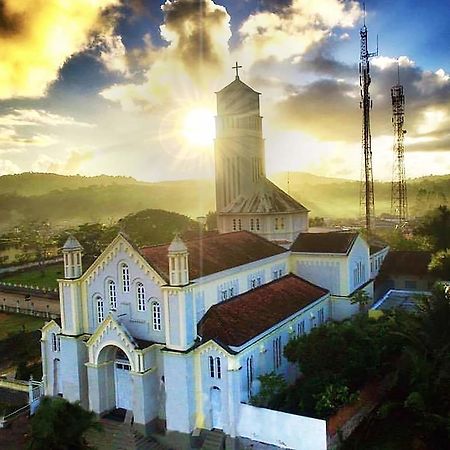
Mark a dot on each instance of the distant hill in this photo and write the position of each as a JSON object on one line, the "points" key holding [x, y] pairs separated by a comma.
{"points": [[71, 200]]}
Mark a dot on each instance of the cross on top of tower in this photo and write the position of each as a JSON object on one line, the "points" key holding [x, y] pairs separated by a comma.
{"points": [[237, 67]]}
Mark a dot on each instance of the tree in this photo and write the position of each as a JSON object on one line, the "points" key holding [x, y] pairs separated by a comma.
{"points": [[272, 386], [435, 227], [361, 298], [60, 425], [440, 264]]}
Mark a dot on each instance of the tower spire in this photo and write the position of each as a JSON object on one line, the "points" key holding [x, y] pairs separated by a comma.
{"points": [[399, 200], [367, 193]]}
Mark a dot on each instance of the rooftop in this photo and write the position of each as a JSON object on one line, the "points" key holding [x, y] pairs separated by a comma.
{"points": [[236, 321], [413, 263], [214, 253], [266, 198], [331, 242]]}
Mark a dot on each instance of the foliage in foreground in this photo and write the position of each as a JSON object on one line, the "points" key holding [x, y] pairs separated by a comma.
{"points": [[419, 400], [60, 425]]}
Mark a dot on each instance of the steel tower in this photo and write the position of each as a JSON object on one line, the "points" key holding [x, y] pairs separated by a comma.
{"points": [[367, 198], [399, 199]]}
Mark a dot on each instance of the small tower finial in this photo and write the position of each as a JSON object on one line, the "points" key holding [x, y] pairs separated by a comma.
{"points": [[237, 67]]}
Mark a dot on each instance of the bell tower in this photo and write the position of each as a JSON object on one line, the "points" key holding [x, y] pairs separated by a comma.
{"points": [[178, 263], [72, 252], [239, 144]]}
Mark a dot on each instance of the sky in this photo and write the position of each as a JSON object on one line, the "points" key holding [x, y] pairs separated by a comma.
{"points": [[127, 87]]}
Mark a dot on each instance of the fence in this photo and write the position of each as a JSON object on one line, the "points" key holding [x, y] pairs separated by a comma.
{"points": [[35, 393], [29, 312], [26, 289]]}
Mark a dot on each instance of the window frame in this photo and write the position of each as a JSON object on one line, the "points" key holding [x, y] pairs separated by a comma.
{"points": [[156, 315], [140, 296], [125, 273], [100, 306], [112, 295]]}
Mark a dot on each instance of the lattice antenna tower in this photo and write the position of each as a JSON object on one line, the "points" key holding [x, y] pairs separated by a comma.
{"points": [[367, 197], [399, 197]]}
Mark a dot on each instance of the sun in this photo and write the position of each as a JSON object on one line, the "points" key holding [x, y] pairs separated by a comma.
{"points": [[199, 127]]}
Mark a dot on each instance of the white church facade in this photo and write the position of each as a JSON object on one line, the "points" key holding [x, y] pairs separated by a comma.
{"points": [[178, 334]]}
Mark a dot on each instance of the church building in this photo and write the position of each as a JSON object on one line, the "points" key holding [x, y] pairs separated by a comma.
{"points": [[178, 334]]}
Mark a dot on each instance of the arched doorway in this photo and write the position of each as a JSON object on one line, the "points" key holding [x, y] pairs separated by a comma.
{"points": [[57, 388], [117, 389], [216, 408], [123, 381]]}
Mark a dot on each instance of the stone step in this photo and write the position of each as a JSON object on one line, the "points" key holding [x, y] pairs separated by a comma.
{"points": [[214, 440]]}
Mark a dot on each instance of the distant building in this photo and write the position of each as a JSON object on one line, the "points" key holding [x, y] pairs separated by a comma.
{"points": [[178, 334]]}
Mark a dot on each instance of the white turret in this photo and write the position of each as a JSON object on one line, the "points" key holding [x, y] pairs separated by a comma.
{"points": [[72, 251], [178, 263]]}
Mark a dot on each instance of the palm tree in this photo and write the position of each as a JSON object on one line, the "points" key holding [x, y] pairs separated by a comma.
{"points": [[361, 298]]}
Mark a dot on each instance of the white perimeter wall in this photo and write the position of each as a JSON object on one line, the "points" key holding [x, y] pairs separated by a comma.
{"points": [[282, 429]]}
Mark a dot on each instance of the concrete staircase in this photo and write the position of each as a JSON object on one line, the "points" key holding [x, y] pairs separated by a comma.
{"points": [[214, 440], [120, 436]]}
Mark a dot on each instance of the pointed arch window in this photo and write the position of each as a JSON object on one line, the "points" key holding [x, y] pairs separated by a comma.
{"points": [[100, 310], [112, 295], [215, 367], [140, 294], [125, 278], [156, 314], [56, 344]]}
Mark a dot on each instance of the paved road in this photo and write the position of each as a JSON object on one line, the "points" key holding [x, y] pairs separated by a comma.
{"points": [[34, 303]]}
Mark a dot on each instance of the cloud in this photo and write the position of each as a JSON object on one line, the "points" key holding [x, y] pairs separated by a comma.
{"points": [[38, 36], [7, 167], [197, 34], [292, 30], [35, 117], [328, 108], [113, 54], [12, 142], [73, 162]]}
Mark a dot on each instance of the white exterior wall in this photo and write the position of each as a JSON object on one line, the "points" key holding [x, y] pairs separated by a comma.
{"points": [[358, 253], [282, 429], [139, 323], [325, 270], [376, 259], [73, 371], [294, 223], [48, 357]]}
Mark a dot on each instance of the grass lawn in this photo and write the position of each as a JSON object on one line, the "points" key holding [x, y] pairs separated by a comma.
{"points": [[15, 323], [44, 277]]}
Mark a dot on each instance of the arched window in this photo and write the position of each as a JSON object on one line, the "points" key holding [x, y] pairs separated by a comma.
{"points": [[140, 294], [56, 345], [112, 295], [100, 311], [211, 366], [156, 314], [218, 368], [125, 278]]}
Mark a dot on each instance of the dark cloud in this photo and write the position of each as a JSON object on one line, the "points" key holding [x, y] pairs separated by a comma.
{"points": [[329, 109], [195, 23], [321, 64], [10, 24], [324, 109], [273, 5]]}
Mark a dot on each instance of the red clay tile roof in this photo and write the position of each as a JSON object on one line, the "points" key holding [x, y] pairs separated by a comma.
{"points": [[236, 321], [413, 263], [332, 242], [215, 253]]}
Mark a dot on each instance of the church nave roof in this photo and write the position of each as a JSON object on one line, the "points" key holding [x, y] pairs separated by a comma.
{"points": [[240, 319], [215, 253]]}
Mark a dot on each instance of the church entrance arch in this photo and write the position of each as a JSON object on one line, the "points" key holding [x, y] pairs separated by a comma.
{"points": [[216, 408], [118, 388]]}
